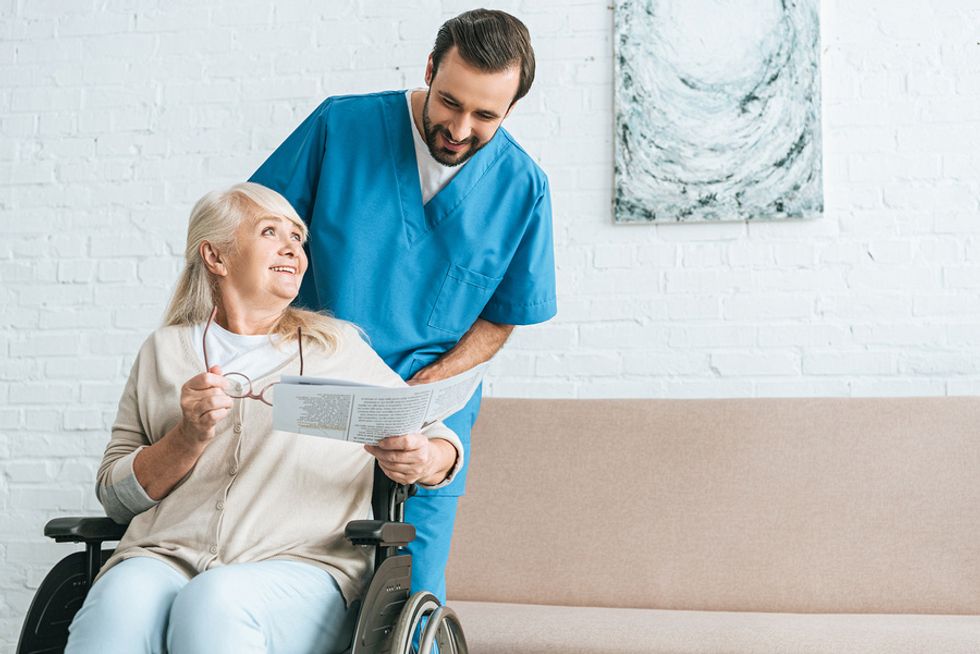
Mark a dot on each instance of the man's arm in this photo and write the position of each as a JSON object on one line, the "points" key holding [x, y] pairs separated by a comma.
{"points": [[478, 344]]}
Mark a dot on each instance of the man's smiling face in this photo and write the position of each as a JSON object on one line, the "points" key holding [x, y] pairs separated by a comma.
{"points": [[464, 106]]}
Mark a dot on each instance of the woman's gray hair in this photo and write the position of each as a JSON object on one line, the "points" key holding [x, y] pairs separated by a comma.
{"points": [[215, 219]]}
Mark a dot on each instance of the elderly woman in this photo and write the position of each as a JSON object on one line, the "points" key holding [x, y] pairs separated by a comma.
{"points": [[235, 540]]}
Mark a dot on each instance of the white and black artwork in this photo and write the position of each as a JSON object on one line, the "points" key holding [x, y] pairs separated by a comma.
{"points": [[717, 110]]}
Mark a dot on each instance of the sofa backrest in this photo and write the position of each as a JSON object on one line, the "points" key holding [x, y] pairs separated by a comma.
{"points": [[799, 505]]}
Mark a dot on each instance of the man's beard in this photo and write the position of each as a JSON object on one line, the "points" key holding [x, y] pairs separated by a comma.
{"points": [[445, 157]]}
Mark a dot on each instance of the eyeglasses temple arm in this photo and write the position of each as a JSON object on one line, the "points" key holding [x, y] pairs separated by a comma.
{"points": [[204, 339], [299, 339]]}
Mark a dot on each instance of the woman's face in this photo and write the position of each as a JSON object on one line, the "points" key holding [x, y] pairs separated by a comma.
{"points": [[268, 262]]}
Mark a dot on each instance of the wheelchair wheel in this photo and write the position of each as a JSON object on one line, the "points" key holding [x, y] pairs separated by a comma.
{"points": [[418, 607], [444, 630]]}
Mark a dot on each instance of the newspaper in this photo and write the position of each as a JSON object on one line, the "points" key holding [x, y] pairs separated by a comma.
{"points": [[360, 413]]}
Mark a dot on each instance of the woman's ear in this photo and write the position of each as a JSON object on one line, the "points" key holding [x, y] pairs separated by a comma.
{"points": [[213, 260]]}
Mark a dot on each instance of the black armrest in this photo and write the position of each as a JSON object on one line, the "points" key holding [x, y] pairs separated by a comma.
{"points": [[379, 532], [84, 530]]}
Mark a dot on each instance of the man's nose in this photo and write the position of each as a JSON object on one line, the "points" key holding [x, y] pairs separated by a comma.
{"points": [[459, 129]]}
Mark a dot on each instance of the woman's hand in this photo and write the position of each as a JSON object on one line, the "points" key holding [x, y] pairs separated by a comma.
{"points": [[204, 403], [414, 458]]}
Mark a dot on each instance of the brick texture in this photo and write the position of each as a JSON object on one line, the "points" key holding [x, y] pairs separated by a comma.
{"points": [[116, 116]]}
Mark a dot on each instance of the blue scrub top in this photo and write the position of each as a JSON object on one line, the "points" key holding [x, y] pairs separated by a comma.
{"points": [[414, 277]]}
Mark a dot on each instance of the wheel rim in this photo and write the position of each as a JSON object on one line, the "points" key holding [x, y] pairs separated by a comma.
{"points": [[435, 632], [455, 631], [443, 629], [418, 607]]}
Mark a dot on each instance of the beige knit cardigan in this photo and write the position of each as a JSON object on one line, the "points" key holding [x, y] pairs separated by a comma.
{"points": [[255, 494]]}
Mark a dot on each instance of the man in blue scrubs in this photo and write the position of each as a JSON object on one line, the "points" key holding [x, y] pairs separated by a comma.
{"points": [[430, 227]]}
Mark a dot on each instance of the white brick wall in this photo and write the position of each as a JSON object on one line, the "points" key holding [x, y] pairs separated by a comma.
{"points": [[115, 116]]}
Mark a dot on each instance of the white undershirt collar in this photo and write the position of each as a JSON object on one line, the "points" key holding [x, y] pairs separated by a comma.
{"points": [[433, 176]]}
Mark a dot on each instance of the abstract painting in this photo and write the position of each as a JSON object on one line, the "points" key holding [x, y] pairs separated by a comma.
{"points": [[717, 110]]}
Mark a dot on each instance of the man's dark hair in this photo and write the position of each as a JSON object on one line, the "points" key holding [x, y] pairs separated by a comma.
{"points": [[489, 40]]}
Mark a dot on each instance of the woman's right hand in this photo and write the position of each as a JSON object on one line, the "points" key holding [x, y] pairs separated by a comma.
{"points": [[204, 403]]}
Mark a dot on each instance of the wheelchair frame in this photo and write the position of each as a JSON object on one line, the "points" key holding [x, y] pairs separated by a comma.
{"points": [[385, 620]]}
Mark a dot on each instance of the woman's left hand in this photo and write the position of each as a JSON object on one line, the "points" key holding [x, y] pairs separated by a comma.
{"points": [[405, 459]]}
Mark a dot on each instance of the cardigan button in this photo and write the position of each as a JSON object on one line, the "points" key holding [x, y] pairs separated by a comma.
{"points": [[220, 505], [213, 549], [233, 470], [238, 429]]}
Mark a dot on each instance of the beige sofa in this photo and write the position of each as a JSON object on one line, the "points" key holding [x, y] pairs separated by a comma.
{"points": [[721, 526]]}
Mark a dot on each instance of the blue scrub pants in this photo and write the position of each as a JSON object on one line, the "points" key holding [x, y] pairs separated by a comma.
{"points": [[144, 605], [433, 517], [434, 513]]}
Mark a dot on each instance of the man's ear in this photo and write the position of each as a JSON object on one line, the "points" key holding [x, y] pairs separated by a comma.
{"points": [[428, 71], [213, 260]]}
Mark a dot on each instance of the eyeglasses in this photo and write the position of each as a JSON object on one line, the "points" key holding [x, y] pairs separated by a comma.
{"points": [[241, 384]]}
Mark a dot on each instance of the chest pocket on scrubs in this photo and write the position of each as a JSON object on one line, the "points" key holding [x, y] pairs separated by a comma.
{"points": [[463, 296]]}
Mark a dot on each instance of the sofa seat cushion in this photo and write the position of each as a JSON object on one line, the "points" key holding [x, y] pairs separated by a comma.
{"points": [[497, 628]]}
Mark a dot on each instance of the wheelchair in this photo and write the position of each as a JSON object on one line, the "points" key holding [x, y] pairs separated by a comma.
{"points": [[387, 619]]}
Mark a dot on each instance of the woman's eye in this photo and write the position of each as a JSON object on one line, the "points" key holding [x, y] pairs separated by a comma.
{"points": [[269, 230], [297, 237]]}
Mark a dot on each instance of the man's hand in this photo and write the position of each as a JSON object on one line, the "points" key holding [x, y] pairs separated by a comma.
{"points": [[414, 458], [478, 344], [432, 373]]}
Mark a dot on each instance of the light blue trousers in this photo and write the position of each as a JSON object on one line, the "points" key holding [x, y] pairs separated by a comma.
{"points": [[143, 605]]}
